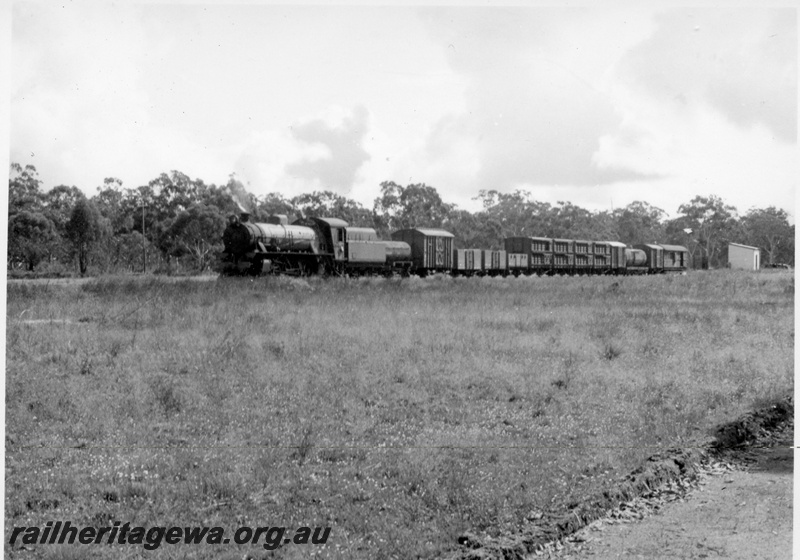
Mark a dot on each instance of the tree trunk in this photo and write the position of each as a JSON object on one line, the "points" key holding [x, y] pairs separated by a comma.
{"points": [[82, 259]]}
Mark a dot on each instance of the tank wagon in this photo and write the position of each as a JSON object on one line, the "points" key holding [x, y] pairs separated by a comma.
{"points": [[331, 246]]}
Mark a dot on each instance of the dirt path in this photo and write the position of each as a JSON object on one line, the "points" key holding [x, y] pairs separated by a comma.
{"points": [[77, 281], [741, 513]]}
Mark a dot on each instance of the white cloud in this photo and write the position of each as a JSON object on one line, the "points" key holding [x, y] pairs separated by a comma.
{"points": [[597, 107], [337, 169], [583, 105], [536, 104], [742, 62], [679, 126]]}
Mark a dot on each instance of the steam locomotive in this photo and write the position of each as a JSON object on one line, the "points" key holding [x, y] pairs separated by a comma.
{"points": [[309, 246], [330, 246]]}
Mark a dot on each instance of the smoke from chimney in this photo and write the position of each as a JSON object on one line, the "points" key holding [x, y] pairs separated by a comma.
{"points": [[240, 196]]}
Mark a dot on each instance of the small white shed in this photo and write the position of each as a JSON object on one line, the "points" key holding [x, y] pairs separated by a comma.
{"points": [[744, 257]]}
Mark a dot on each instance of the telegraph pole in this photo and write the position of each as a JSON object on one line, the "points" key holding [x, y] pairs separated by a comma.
{"points": [[144, 243]]}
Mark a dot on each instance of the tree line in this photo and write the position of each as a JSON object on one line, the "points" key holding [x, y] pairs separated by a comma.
{"points": [[175, 223]]}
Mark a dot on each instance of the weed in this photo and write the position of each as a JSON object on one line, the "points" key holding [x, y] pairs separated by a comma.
{"points": [[222, 487], [305, 446], [611, 350], [67, 552], [86, 366], [114, 350], [545, 324], [277, 349], [560, 383], [166, 395]]}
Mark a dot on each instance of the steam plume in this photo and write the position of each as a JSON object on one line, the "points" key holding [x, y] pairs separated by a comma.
{"points": [[240, 196]]}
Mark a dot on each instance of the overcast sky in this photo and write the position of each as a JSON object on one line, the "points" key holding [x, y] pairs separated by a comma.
{"points": [[599, 107]]}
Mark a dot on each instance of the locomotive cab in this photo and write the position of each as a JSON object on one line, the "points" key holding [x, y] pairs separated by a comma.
{"points": [[331, 233]]}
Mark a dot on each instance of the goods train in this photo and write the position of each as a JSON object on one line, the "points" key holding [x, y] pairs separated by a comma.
{"points": [[331, 246]]}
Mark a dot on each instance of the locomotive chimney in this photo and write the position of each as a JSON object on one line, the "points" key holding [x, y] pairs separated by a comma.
{"points": [[244, 214]]}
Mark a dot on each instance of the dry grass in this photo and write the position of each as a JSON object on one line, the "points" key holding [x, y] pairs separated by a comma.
{"points": [[398, 412]]}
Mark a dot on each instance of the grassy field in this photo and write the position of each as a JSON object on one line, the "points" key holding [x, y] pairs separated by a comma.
{"points": [[397, 412]]}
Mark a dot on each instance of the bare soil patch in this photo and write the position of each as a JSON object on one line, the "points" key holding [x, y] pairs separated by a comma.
{"points": [[742, 510], [741, 485]]}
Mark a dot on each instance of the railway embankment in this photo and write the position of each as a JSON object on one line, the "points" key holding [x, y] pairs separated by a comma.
{"points": [[664, 478]]}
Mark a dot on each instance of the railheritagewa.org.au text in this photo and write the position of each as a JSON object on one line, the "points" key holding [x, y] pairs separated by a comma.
{"points": [[63, 532]]}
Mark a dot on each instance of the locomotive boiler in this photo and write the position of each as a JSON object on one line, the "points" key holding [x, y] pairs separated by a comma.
{"points": [[249, 246]]}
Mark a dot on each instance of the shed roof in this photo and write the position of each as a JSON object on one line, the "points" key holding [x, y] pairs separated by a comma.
{"points": [[744, 246], [675, 248]]}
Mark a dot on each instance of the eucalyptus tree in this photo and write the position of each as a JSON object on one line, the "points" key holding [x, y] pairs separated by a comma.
{"points": [[31, 236], [415, 205], [331, 204], [640, 222], [197, 232], [711, 223], [769, 229], [86, 227], [24, 189], [57, 205]]}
